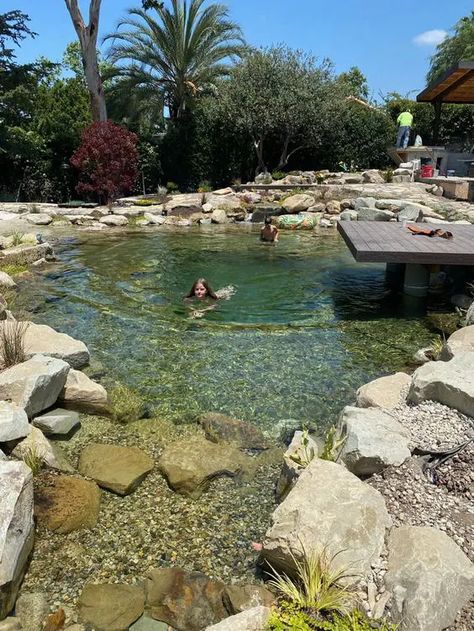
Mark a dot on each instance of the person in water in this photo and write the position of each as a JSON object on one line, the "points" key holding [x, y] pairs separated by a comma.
{"points": [[269, 233], [202, 290]]}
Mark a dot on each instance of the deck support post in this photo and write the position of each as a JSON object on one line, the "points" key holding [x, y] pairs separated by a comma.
{"points": [[417, 280], [394, 274]]}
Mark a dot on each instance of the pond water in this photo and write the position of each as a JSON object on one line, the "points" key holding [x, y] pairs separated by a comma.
{"points": [[305, 327]]}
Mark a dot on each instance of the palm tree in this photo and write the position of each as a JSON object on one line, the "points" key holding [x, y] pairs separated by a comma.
{"points": [[178, 51]]}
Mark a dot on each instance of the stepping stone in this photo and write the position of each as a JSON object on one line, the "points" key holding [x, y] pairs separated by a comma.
{"points": [[222, 428], [111, 607], [67, 503], [57, 422], [190, 465], [119, 469]]}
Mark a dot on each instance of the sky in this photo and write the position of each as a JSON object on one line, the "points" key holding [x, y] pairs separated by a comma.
{"points": [[390, 41]]}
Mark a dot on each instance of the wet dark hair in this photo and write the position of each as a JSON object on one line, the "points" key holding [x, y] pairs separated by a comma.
{"points": [[210, 292], [268, 220]]}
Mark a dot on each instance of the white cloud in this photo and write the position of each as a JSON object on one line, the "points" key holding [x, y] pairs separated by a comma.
{"points": [[430, 38]]}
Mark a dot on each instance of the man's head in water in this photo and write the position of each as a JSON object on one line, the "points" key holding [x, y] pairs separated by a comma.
{"points": [[268, 221], [201, 289]]}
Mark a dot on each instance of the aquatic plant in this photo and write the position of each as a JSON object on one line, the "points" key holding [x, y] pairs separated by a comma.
{"points": [[333, 443], [17, 238], [14, 269], [445, 323], [305, 453], [12, 343], [145, 202], [437, 346], [126, 405], [34, 459]]}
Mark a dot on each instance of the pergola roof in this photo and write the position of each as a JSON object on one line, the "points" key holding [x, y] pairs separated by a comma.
{"points": [[455, 86]]}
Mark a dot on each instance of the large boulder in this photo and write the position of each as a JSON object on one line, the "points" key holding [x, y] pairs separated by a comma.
{"points": [[254, 619], [34, 384], [38, 219], [6, 281], [372, 176], [430, 577], [297, 203], [450, 383], [221, 428], [41, 339], [187, 601], [111, 607], [84, 395], [373, 214], [114, 220], [385, 392], [374, 439], [224, 202], [459, 342], [364, 202], [38, 445], [16, 529], [157, 220], [328, 506], [119, 469], [192, 200], [219, 215], [67, 503], [190, 465], [57, 422], [13, 422], [470, 315]]}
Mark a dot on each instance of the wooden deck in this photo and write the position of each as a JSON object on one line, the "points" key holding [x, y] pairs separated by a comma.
{"points": [[390, 242]]}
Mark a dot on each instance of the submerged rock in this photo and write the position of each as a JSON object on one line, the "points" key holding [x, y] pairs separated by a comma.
{"points": [[31, 609], [35, 384], [84, 395], [57, 422], [430, 577], [119, 469], [16, 529], [111, 607], [328, 506], [66, 504], [188, 601], [222, 428], [190, 466]]}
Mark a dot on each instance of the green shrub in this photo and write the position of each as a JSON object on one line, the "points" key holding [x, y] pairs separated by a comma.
{"points": [[205, 187], [145, 202], [16, 238], [14, 269], [388, 175], [12, 343], [34, 459], [445, 323], [278, 175], [172, 187], [126, 405], [290, 618], [333, 443]]}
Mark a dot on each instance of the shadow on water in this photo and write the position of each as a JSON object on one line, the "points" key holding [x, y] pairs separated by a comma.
{"points": [[304, 329]]}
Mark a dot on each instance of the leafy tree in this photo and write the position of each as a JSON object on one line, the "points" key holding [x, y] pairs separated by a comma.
{"points": [[459, 46], [107, 160], [179, 52], [281, 97], [88, 40], [13, 29], [355, 82]]}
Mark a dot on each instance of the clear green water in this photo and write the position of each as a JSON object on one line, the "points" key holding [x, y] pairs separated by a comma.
{"points": [[305, 328]]}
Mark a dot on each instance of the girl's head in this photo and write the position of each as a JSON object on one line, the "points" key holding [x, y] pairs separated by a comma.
{"points": [[201, 289]]}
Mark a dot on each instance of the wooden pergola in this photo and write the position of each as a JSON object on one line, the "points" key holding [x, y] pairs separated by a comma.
{"points": [[455, 86]]}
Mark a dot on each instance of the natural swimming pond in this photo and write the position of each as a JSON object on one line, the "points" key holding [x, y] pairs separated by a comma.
{"points": [[306, 326]]}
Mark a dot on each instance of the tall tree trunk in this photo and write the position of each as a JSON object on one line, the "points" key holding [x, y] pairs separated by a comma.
{"points": [[261, 166], [88, 39]]}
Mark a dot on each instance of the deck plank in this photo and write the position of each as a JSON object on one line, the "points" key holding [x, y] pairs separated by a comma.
{"points": [[390, 242]]}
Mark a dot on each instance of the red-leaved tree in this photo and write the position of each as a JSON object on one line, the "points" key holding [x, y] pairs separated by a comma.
{"points": [[107, 159]]}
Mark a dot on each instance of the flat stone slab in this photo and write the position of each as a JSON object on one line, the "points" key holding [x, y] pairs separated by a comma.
{"points": [[66, 504], [111, 607], [13, 422], [16, 529], [328, 507], [57, 422], [254, 619], [385, 392], [374, 440], [450, 383], [119, 469], [190, 465], [430, 577], [35, 384]]}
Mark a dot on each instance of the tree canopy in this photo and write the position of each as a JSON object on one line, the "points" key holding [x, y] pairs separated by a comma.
{"points": [[456, 47]]}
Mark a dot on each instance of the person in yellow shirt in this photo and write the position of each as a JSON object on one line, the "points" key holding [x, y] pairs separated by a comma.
{"points": [[405, 121]]}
